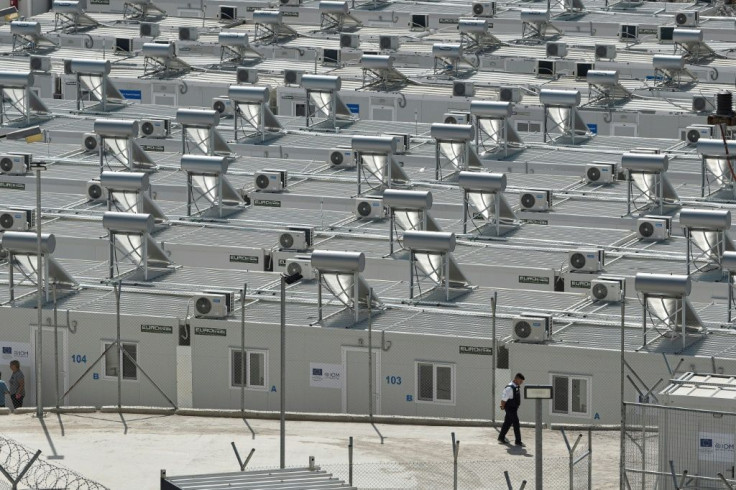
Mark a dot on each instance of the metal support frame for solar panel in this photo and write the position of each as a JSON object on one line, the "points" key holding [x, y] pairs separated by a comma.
{"points": [[465, 159], [118, 185], [20, 262], [236, 50], [378, 71], [665, 77], [394, 230], [707, 237], [475, 38], [104, 102], [568, 6], [248, 101], [270, 28], [430, 259], [137, 158], [338, 22], [717, 167], [27, 38], [647, 184], [537, 31], [368, 157], [668, 313], [25, 106], [351, 305], [209, 185], [634, 201], [493, 130], [73, 21], [142, 10], [213, 141], [162, 65], [416, 276], [496, 211], [607, 92], [145, 250], [448, 58], [728, 263], [329, 108], [689, 43], [566, 126]]}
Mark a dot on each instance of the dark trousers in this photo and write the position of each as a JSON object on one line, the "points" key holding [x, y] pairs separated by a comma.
{"points": [[511, 419], [17, 403]]}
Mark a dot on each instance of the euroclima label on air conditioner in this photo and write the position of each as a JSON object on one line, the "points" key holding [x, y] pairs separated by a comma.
{"points": [[269, 203], [533, 280], [157, 329], [580, 284], [246, 259], [13, 186], [480, 351]]}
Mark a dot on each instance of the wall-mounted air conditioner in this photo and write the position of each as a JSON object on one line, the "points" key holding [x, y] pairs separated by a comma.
{"points": [[246, 75], [687, 19], [607, 289], [223, 105], [149, 29], [702, 104], [535, 200], [293, 77], [369, 208], [531, 328], [456, 118], [510, 94], [188, 34], [484, 9], [213, 305], [697, 131], [600, 173], [17, 219], [15, 163], [90, 142], [556, 49], [297, 238], [95, 191], [270, 180], [586, 260], [300, 265], [154, 128], [463, 89], [654, 227], [605, 51], [388, 43], [341, 158], [40, 63], [403, 142], [350, 41]]}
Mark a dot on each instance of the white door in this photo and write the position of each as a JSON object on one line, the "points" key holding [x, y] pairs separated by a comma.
{"points": [[48, 359], [355, 393]]}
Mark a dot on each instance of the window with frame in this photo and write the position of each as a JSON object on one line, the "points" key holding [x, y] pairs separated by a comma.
{"points": [[435, 382], [254, 370], [114, 359], [571, 394]]}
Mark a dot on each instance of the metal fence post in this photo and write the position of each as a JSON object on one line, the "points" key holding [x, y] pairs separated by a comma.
{"points": [[590, 459], [455, 451], [350, 461]]}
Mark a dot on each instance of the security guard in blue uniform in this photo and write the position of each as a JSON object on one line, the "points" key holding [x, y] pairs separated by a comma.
{"points": [[510, 402]]}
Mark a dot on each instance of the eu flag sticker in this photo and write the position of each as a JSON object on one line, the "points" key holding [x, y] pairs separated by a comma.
{"points": [[316, 372], [706, 442], [7, 350]]}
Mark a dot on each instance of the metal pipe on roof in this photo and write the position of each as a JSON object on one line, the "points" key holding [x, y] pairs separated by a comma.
{"points": [[127, 222], [429, 241], [674, 285], [124, 181], [26, 242], [705, 219], [645, 162], [336, 261], [482, 181], [403, 199], [116, 128]]}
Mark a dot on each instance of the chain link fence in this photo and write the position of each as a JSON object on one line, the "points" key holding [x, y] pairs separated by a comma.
{"points": [[678, 448], [21, 468]]}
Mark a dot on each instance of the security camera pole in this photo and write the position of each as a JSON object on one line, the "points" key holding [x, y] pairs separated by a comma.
{"points": [[538, 393], [284, 281]]}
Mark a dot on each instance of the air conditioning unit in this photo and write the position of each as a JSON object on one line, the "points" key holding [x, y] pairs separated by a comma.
{"points": [[246, 75], [154, 128], [665, 34], [687, 19], [654, 227], [330, 57], [556, 50], [600, 173], [223, 105], [702, 104], [605, 51], [463, 89], [15, 163], [628, 32], [17, 219], [300, 265], [290, 3], [456, 118], [546, 68], [536, 200], [388, 43], [270, 180], [351, 41], [40, 63], [696, 131], [227, 13], [292, 77], [341, 158], [149, 29], [369, 208], [90, 141], [607, 289], [188, 34], [403, 142], [95, 191], [531, 328], [581, 70], [510, 94], [484, 9], [296, 238], [586, 260], [213, 305]]}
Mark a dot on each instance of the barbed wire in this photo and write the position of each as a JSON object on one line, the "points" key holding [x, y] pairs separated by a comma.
{"points": [[14, 457]]}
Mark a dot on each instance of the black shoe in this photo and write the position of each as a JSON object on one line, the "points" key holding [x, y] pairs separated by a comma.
{"points": [[504, 441], [520, 444]]}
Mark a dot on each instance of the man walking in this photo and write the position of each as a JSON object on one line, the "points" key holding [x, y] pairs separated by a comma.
{"points": [[17, 384], [510, 402]]}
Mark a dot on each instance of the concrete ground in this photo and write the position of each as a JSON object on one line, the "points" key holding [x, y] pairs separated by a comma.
{"points": [[128, 451]]}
